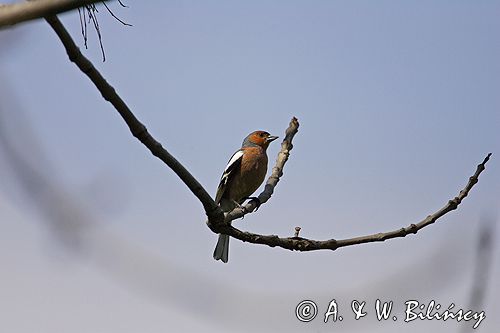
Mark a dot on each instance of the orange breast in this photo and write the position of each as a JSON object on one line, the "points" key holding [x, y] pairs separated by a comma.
{"points": [[252, 172]]}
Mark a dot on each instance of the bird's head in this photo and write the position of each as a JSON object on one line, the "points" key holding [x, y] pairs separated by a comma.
{"points": [[259, 138]]}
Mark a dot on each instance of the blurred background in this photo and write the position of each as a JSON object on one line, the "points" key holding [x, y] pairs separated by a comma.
{"points": [[398, 102]]}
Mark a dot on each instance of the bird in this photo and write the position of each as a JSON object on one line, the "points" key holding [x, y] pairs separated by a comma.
{"points": [[242, 176]]}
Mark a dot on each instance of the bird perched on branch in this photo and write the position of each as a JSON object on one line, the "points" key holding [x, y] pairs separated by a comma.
{"points": [[242, 176]]}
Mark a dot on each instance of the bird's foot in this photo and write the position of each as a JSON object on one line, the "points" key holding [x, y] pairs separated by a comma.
{"points": [[240, 207], [257, 202]]}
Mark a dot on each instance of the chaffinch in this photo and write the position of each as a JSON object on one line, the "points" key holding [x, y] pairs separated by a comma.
{"points": [[242, 176]]}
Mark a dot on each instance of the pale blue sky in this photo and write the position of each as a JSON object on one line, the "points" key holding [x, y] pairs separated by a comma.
{"points": [[398, 102]]}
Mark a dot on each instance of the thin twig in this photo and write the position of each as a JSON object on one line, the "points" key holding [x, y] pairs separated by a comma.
{"points": [[116, 17], [92, 14], [92, 10]]}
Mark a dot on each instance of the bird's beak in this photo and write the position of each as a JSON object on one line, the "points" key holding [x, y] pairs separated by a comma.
{"points": [[271, 138]]}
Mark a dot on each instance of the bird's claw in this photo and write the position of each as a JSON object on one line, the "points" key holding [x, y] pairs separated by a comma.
{"points": [[240, 207], [257, 202]]}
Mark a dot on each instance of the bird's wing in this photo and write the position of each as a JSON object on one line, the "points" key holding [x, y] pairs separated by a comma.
{"points": [[233, 165]]}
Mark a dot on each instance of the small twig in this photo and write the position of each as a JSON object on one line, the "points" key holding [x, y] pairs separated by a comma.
{"points": [[121, 3], [83, 25], [116, 17], [92, 10], [297, 230]]}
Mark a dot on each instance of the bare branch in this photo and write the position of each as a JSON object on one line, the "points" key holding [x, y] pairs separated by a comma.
{"points": [[138, 130], [304, 244], [11, 14]]}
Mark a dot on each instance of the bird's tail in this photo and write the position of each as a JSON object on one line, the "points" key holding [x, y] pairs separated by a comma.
{"points": [[221, 251]]}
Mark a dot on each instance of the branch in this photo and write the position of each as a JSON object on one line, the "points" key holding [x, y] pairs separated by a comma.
{"points": [[11, 14], [304, 244], [138, 130]]}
